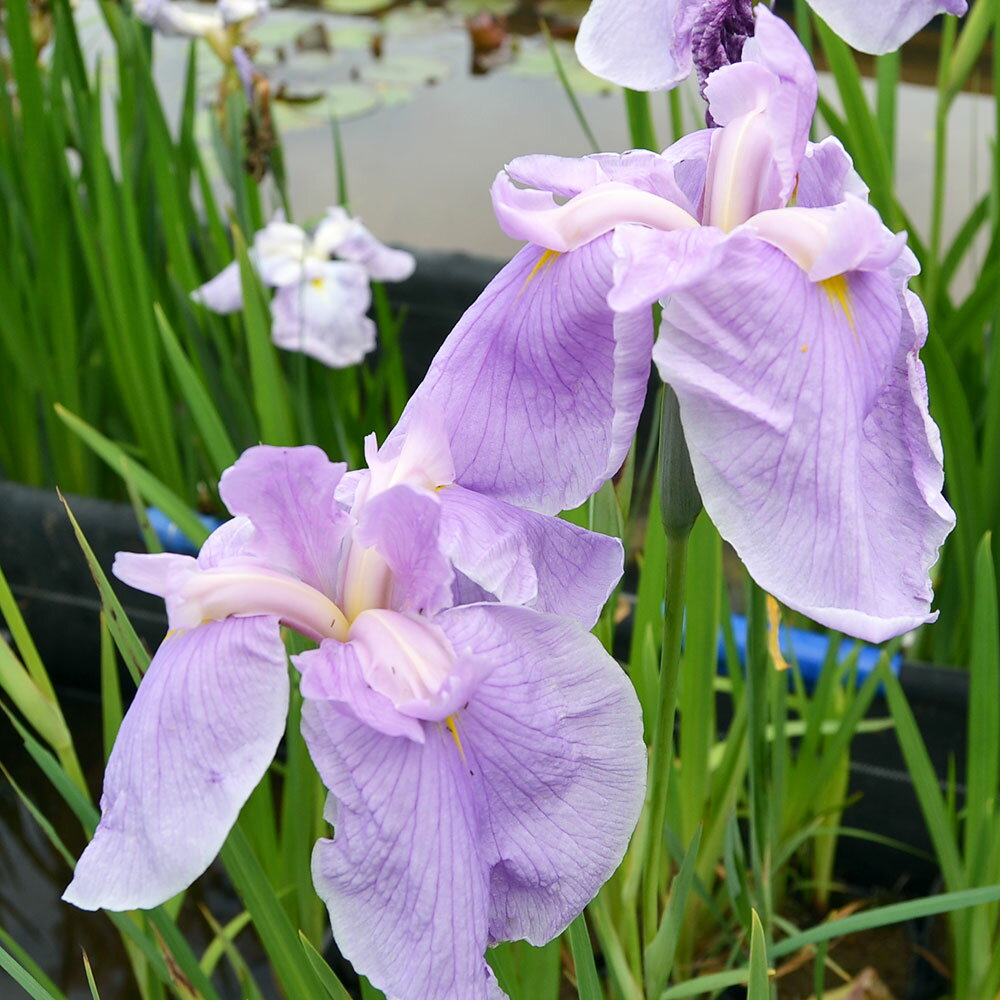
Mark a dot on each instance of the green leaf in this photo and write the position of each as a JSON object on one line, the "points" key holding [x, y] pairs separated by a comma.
{"points": [[221, 451], [713, 984], [759, 985], [567, 85], [90, 978], [153, 489], [297, 978], [983, 770], [658, 958], [133, 652], [270, 391], [333, 986], [925, 782], [23, 978], [929, 906], [587, 984], [28, 964]]}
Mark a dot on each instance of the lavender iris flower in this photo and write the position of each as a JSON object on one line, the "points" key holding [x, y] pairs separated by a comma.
{"points": [[171, 19], [788, 335], [323, 285], [485, 762], [653, 44]]}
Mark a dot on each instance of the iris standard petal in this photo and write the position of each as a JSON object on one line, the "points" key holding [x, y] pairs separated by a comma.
{"points": [[401, 524], [784, 387], [541, 383], [288, 494], [554, 736], [766, 103], [279, 252], [521, 557], [325, 314], [341, 235], [200, 734], [403, 878], [643, 44], [881, 27]]}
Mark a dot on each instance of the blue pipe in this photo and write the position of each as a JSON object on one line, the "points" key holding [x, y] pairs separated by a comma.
{"points": [[171, 537], [809, 649]]}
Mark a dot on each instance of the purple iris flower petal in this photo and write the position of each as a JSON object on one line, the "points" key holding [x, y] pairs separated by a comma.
{"points": [[325, 315], [401, 524], [341, 235], [403, 880], [787, 334], [883, 27], [529, 559], [198, 737], [502, 824], [172, 20], [653, 44], [515, 556], [362, 568], [323, 283], [245, 70], [541, 373], [288, 495], [223, 294], [642, 44], [801, 414]]}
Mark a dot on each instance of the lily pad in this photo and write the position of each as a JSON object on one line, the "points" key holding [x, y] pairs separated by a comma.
{"points": [[341, 101], [355, 6], [391, 94], [536, 61], [355, 36], [406, 70], [274, 31], [470, 8], [417, 19]]}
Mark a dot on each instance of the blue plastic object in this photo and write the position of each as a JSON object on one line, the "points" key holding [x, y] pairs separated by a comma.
{"points": [[171, 537], [809, 649]]}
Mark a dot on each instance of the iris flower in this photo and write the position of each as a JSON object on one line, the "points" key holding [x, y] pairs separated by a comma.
{"points": [[171, 19], [485, 761], [653, 44], [788, 335], [323, 285]]}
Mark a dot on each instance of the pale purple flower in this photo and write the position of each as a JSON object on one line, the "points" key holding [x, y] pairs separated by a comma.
{"points": [[198, 21], [485, 761], [323, 285], [653, 44], [788, 335]]}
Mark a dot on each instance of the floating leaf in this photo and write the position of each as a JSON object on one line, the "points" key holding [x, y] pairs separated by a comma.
{"points": [[342, 100], [470, 8], [417, 19], [355, 6], [358, 35], [406, 70], [535, 61], [391, 94], [277, 31]]}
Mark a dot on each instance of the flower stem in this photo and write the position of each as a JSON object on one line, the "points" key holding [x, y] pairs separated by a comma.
{"points": [[640, 120], [680, 504], [661, 751]]}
